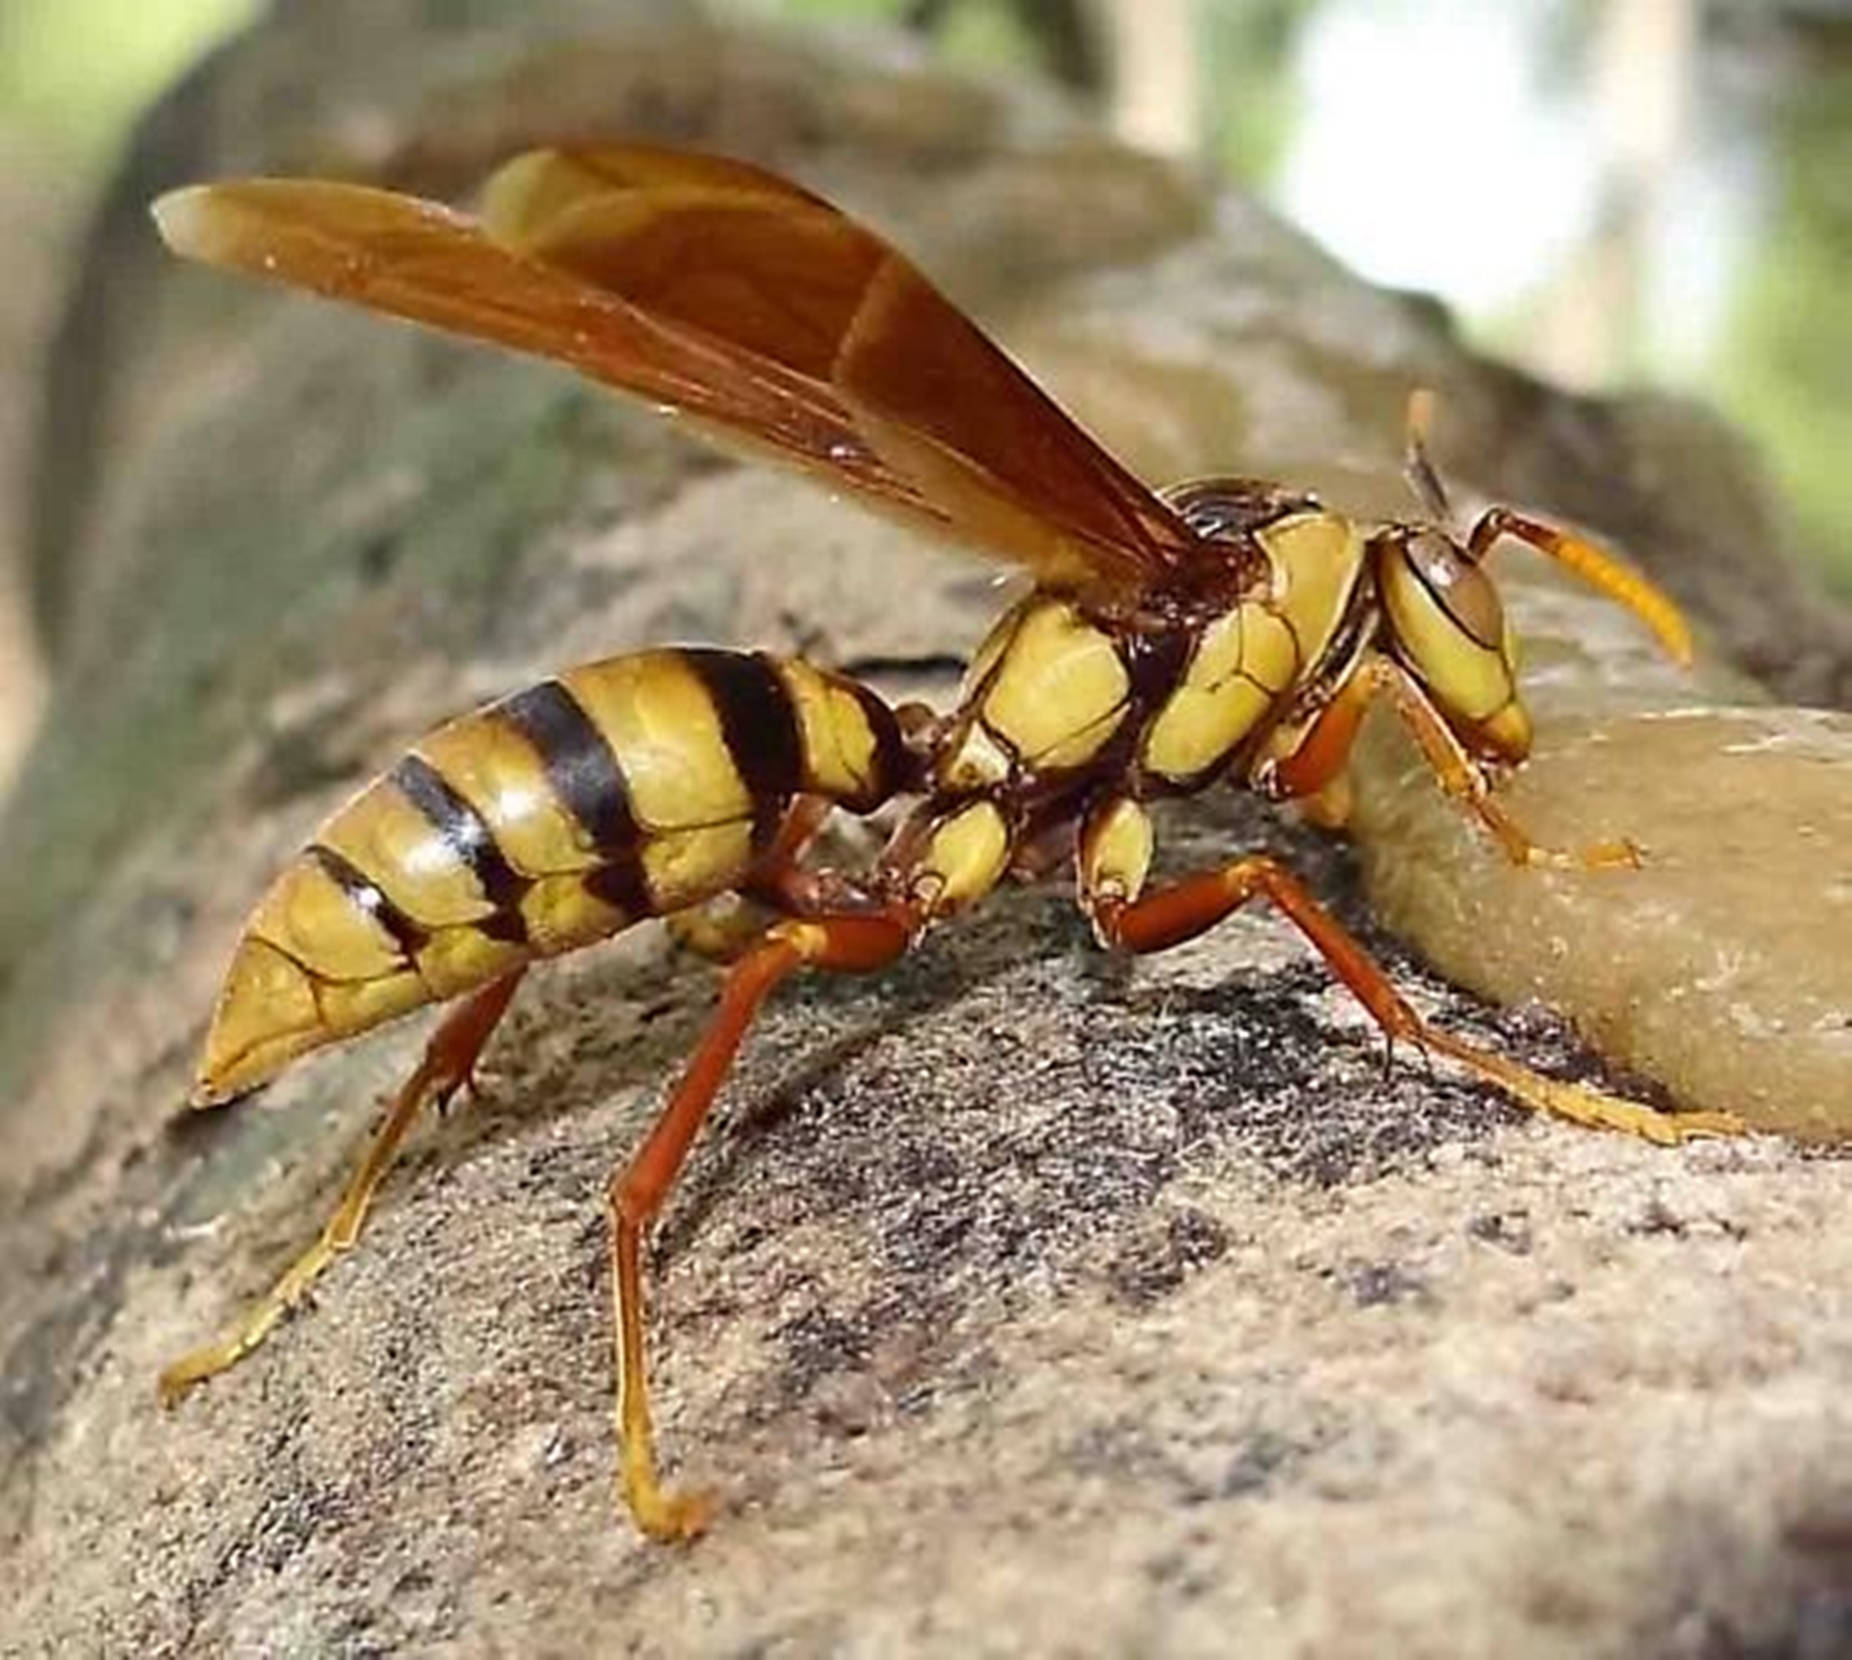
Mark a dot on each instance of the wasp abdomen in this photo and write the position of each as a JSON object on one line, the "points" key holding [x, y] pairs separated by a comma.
{"points": [[623, 789]]}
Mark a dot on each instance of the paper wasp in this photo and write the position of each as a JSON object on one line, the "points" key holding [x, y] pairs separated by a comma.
{"points": [[1220, 630]]}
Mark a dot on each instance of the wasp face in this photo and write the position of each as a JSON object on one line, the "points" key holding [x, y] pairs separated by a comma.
{"points": [[1445, 624]]}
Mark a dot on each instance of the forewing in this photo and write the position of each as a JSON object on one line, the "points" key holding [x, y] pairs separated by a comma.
{"points": [[738, 299], [741, 256], [421, 261]]}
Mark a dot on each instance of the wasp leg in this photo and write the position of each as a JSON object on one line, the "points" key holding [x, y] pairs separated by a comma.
{"points": [[851, 944], [721, 929], [1185, 910], [1319, 758], [1467, 782], [449, 1059]]}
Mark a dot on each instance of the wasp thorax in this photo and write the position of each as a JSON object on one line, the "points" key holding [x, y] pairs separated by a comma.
{"points": [[1228, 509], [1448, 626], [1044, 694]]}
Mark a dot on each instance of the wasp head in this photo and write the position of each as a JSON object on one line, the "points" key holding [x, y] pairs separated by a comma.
{"points": [[1445, 624]]}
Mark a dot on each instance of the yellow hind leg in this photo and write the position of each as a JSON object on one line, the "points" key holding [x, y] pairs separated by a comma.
{"points": [[449, 1059]]}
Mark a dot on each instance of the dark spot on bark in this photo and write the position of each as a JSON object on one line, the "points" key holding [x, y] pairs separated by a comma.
{"points": [[1193, 1468], [1372, 1284], [376, 557], [816, 1344], [1657, 1217], [1257, 1462], [1156, 1261], [1508, 1230], [1185, 1573]]}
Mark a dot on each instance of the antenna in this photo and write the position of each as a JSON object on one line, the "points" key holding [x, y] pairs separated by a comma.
{"points": [[1416, 467]]}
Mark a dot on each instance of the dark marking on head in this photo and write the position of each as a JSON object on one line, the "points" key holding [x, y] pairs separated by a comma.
{"points": [[1455, 584], [465, 833]]}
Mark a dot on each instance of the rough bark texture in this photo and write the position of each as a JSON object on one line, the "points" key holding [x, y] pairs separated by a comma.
{"points": [[1017, 1302]]}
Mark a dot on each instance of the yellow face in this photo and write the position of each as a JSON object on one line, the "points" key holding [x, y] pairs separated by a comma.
{"points": [[1447, 626]]}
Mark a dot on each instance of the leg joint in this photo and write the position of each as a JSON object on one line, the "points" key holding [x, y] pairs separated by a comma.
{"points": [[846, 944]]}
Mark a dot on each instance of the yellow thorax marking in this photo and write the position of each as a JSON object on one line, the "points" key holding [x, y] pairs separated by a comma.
{"points": [[964, 858], [1116, 845], [1317, 560], [977, 763], [1058, 689], [1243, 661]]}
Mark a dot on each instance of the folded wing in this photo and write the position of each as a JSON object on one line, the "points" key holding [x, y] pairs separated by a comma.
{"points": [[741, 301]]}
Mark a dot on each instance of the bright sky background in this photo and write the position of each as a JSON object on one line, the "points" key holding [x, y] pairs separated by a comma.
{"points": [[1427, 156], [1436, 151]]}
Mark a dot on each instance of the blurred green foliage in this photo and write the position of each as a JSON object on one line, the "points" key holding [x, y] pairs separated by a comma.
{"points": [[1253, 103], [838, 10], [74, 72], [1784, 367]]}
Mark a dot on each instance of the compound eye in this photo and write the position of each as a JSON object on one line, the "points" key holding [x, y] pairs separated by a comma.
{"points": [[1447, 624], [1458, 587]]}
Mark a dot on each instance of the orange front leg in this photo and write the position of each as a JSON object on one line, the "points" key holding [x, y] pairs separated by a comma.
{"points": [[1321, 753]]}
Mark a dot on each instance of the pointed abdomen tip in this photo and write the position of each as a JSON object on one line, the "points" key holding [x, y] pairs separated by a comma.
{"points": [[182, 216]]}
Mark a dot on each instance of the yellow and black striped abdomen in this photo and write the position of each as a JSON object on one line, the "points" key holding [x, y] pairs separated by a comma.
{"points": [[623, 789]]}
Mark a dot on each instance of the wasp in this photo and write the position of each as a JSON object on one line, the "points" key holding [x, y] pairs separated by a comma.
{"points": [[1225, 630]]}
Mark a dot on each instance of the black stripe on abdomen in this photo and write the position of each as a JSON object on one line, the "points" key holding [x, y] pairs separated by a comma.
{"points": [[760, 727], [365, 894], [463, 830], [584, 773]]}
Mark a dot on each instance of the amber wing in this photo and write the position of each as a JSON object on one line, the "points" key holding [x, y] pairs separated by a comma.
{"points": [[736, 298]]}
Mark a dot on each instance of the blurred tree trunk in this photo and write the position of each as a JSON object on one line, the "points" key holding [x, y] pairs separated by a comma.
{"points": [[1642, 85]]}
